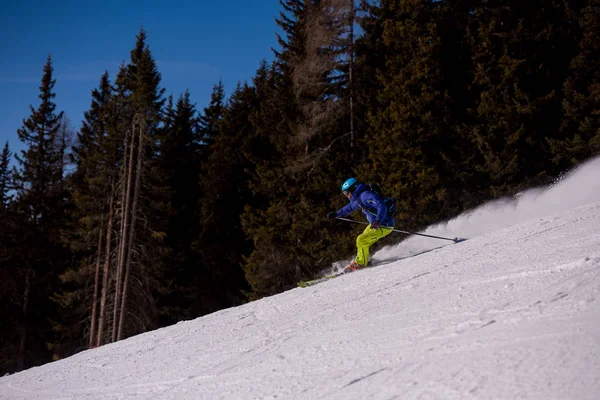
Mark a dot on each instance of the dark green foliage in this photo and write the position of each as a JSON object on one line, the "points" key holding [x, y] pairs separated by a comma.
{"points": [[471, 96], [92, 155], [143, 80], [291, 21], [579, 136], [369, 60], [225, 186], [209, 121], [521, 53], [9, 295], [269, 267], [180, 160], [41, 164], [415, 155]]}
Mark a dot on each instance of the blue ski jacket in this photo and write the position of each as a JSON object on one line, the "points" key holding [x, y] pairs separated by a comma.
{"points": [[370, 203]]}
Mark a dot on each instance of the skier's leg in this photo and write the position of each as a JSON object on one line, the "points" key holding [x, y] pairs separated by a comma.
{"points": [[366, 239]]}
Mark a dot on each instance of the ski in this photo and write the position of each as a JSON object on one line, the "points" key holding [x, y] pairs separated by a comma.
{"points": [[312, 282], [346, 270]]}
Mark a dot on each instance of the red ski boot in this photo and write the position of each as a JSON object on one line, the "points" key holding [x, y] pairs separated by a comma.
{"points": [[352, 267]]}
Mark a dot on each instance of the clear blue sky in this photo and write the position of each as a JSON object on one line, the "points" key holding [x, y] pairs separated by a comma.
{"points": [[194, 43]]}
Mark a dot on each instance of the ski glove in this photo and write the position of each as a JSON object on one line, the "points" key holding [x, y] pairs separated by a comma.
{"points": [[375, 225], [331, 215]]}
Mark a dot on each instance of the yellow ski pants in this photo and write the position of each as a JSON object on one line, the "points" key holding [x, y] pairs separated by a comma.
{"points": [[366, 239]]}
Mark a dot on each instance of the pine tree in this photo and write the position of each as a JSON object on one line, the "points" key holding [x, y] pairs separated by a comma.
{"points": [[92, 185], [5, 177], [210, 118], [41, 162], [9, 309], [144, 199], [11, 279], [267, 268], [222, 243], [218, 280], [181, 163], [40, 205]]}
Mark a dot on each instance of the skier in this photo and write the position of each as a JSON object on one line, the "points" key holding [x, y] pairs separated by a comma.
{"points": [[381, 223]]}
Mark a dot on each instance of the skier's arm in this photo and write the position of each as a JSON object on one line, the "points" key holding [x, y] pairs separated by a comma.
{"points": [[347, 209]]}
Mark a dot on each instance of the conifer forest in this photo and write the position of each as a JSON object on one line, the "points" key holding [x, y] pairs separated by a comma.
{"points": [[154, 211]]}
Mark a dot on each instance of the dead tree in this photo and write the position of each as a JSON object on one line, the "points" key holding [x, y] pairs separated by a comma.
{"points": [[323, 92], [106, 263], [124, 239], [96, 283], [134, 208]]}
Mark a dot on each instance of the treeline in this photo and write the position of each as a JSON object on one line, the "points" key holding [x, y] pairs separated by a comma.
{"points": [[159, 212]]}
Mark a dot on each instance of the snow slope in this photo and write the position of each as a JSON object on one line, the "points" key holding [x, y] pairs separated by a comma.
{"points": [[511, 313]]}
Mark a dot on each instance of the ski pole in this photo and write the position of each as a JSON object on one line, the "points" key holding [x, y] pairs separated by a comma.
{"points": [[455, 240]]}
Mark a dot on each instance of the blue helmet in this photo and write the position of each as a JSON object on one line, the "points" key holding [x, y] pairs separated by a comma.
{"points": [[349, 185]]}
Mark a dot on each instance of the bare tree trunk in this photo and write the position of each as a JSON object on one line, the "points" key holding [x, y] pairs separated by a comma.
{"points": [[134, 208], [124, 242], [106, 268], [122, 184], [96, 282], [25, 326]]}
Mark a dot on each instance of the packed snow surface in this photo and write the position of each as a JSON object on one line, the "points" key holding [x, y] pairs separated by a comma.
{"points": [[511, 313]]}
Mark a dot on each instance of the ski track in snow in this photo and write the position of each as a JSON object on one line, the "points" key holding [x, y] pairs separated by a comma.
{"points": [[511, 313]]}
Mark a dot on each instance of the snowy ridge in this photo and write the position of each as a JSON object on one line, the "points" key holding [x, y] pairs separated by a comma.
{"points": [[512, 313]]}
